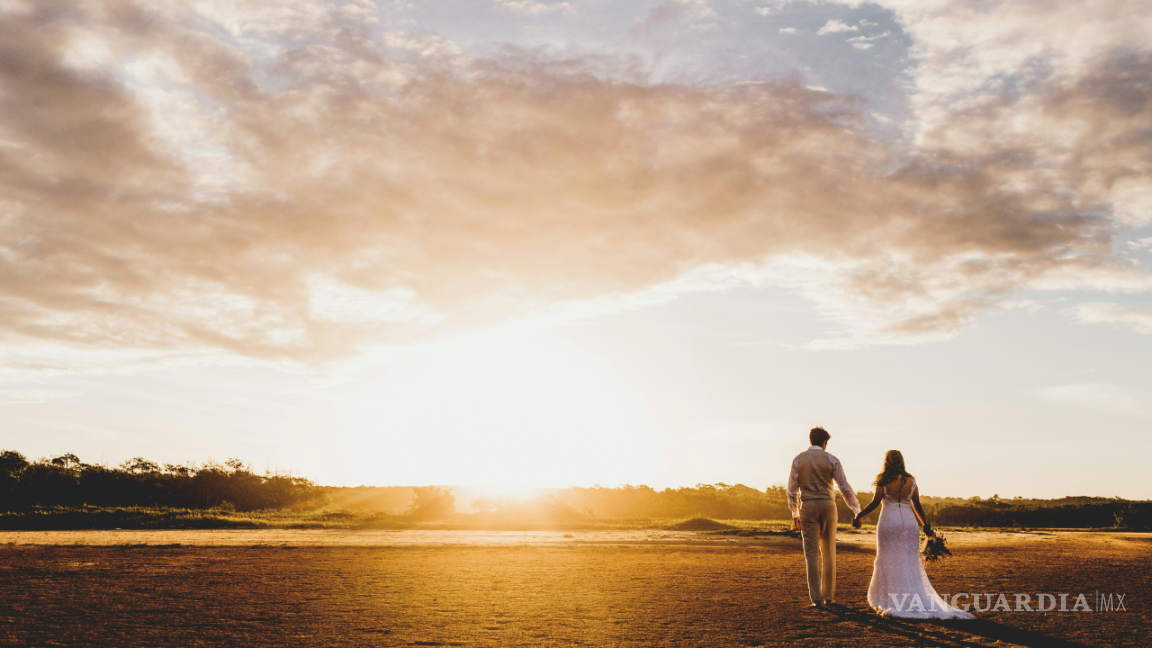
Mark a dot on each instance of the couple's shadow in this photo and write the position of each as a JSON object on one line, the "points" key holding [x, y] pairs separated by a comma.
{"points": [[927, 632]]}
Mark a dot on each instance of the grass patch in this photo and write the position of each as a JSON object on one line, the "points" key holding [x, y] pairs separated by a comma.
{"points": [[107, 518]]}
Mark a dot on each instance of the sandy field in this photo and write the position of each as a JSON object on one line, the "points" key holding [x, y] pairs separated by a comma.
{"points": [[463, 588]]}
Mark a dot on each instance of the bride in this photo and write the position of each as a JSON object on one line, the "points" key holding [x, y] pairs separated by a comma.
{"points": [[900, 586]]}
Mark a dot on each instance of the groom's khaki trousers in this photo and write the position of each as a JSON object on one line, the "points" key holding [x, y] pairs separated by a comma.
{"points": [[818, 530]]}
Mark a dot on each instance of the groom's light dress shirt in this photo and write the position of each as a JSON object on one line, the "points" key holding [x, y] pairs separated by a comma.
{"points": [[820, 469]]}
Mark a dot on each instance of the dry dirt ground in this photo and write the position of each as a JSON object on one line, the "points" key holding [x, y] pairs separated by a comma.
{"points": [[323, 589]]}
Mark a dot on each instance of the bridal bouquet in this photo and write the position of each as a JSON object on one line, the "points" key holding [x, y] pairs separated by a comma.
{"points": [[935, 548]]}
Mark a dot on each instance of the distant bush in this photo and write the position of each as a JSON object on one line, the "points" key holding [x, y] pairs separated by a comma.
{"points": [[66, 481], [700, 524]]}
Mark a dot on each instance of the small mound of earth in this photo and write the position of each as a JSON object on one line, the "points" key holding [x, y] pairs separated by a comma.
{"points": [[700, 524]]}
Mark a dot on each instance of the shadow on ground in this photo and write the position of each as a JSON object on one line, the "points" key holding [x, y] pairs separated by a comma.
{"points": [[950, 633]]}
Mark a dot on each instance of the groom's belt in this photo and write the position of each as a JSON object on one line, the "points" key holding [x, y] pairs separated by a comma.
{"points": [[807, 499]]}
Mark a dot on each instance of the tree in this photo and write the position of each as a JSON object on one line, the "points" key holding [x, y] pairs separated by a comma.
{"points": [[432, 502], [484, 505], [139, 465], [12, 464], [66, 461]]}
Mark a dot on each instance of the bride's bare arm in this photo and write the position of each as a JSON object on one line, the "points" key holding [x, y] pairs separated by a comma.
{"points": [[919, 509], [876, 499]]}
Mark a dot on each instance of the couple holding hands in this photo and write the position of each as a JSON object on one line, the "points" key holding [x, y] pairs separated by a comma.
{"points": [[900, 585]]}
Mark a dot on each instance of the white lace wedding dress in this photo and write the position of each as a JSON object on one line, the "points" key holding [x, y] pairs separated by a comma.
{"points": [[900, 586]]}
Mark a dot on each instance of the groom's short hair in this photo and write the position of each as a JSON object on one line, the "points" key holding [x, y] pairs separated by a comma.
{"points": [[819, 436]]}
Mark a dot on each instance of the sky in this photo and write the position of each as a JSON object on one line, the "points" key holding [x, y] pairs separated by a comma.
{"points": [[518, 244]]}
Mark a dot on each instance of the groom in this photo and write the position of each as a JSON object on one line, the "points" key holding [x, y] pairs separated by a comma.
{"points": [[810, 492]]}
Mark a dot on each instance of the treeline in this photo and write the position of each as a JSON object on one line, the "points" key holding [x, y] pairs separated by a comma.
{"points": [[720, 501], [65, 481], [1067, 512], [739, 502], [386, 499]]}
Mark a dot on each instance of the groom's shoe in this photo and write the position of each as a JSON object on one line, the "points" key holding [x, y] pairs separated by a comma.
{"points": [[816, 605]]}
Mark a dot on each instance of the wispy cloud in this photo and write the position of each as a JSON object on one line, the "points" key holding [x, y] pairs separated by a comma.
{"points": [[866, 42], [1138, 320], [870, 38]]}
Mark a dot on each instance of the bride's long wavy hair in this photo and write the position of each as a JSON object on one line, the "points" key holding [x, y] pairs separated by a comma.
{"points": [[893, 468]]}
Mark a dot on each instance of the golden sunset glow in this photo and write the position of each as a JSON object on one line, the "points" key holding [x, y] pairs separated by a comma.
{"points": [[522, 244], [598, 323]]}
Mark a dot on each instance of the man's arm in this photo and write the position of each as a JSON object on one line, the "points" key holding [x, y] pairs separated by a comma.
{"points": [[794, 490], [845, 489]]}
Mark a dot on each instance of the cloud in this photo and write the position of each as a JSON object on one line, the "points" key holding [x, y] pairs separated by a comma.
{"points": [[277, 181], [1137, 320], [1112, 399], [363, 11], [674, 13], [529, 8], [835, 26], [1022, 304], [770, 7], [992, 62], [30, 396], [865, 39], [787, 30]]}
